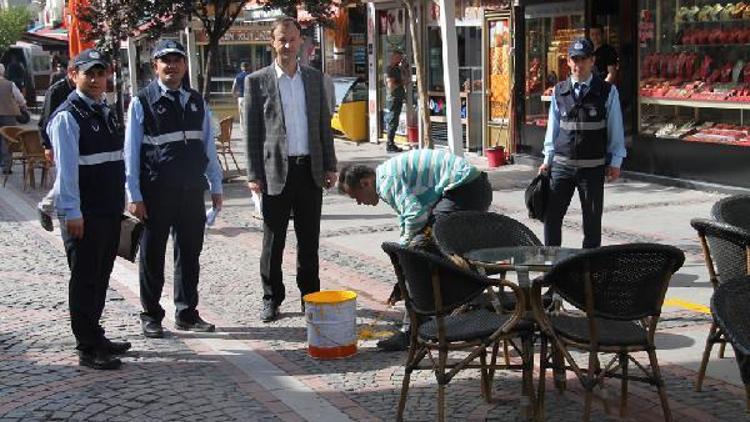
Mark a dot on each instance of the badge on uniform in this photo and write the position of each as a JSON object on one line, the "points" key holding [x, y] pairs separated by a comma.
{"points": [[592, 112], [193, 107], [161, 109], [578, 46], [95, 126]]}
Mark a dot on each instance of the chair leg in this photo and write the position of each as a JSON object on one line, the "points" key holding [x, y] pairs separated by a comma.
{"points": [[587, 403], [542, 375], [722, 347], [706, 356], [660, 385], [528, 398], [506, 352], [624, 390], [558, 368], [405, 384], [484, 377], [493, 361], [237, 166], [442, 360]]}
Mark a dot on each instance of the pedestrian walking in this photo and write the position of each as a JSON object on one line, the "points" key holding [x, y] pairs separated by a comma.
{"points": [[10, 107], [55, 96], [290, 158], [90, 201], [59, 74], [394, 99], [170, 160], [420, 185], [585, 142], [238, 90]]}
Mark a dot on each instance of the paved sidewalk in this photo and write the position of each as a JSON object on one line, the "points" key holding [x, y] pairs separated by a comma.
{"points": [[254, 371]]}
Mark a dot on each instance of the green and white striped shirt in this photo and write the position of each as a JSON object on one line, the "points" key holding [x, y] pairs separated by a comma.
{"points": [[413, 182]]}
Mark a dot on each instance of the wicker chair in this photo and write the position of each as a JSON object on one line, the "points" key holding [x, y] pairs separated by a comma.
{"points": [[734, 210], [33, 157], [731, 313], [10, 134], [224, 141], [726, 250], [620, 289], [433, 288]]}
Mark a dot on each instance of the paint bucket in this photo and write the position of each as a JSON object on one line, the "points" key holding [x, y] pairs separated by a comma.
{"points": [[495, 156], [331, 324]]}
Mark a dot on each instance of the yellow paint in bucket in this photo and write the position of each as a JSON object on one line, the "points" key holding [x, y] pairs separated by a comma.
{"points": [[331, 324]]}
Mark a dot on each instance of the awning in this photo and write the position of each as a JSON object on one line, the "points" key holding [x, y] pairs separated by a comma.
{"points": [[47, 37]]}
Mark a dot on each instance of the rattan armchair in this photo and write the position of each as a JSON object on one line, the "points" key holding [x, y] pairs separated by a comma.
{"points": [[734, 210], [726, 250], [10, 134], [434, 288], [620, 290], [731, 313], [224, 142], [33, 157]]}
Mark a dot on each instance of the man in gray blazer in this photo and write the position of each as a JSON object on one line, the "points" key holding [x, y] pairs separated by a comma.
{"points": [[290, 158]]}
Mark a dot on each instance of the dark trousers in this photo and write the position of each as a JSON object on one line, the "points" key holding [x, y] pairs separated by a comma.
{"points": [[590, 184], [90, 260], [394, 104], [181, 211], [305, 198]]}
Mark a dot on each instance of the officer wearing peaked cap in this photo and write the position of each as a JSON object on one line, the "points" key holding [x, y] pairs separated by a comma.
{"points": [[90, 199], [170, 160], [584, 143]]}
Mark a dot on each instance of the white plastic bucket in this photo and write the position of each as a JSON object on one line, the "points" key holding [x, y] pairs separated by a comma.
{"points": [[331, 324]]}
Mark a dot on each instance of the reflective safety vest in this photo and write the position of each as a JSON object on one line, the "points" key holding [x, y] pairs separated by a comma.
{"points": [[582, 140], [172, 153]]}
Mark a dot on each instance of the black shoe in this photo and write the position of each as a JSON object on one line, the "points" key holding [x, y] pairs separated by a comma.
{"points": [[198, 325], [45, 220], [98, 359], [152, 329], [393, 148], [118, 347], [270, 312], [395, 343]]}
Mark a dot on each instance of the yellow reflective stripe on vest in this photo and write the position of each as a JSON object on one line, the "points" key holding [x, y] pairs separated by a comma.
{"points": [[173, 137], [100, 158], [583, 125]]}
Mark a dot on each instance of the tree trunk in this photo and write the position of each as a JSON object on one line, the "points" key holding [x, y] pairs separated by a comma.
{"points": [[210, 51], [117, 82], [423, 101]]}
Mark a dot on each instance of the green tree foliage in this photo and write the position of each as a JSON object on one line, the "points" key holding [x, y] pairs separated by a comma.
{"points": [[13, 23]]}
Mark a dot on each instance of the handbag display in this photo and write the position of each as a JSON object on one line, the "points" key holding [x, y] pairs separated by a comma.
{"points": [[131, 229]]}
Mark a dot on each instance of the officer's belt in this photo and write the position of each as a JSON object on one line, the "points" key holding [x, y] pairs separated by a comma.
{"points": [[173, 137], [583, 125], [594, 162], [100, 158]]}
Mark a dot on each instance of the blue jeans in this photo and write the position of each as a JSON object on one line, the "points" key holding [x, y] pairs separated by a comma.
{"points": [[563, 181]]}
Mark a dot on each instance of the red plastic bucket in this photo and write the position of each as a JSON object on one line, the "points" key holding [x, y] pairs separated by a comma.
{"points": [[495, 156], [412, 134]]}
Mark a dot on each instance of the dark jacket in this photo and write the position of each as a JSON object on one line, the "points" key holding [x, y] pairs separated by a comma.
{"points": [[56, 95]]}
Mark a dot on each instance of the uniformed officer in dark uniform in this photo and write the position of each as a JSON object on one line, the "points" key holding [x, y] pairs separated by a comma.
{"points": [[170, 160], [90, 199], [585, 142]]}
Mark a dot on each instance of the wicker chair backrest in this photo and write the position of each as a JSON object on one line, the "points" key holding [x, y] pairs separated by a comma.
{"points": [[627, 281], [734, 210], [463, 231], [456, 286], [730, 310], [727, 245]]}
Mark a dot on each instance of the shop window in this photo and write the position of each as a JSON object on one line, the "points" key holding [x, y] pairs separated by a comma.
{"points": [[695, 71]]}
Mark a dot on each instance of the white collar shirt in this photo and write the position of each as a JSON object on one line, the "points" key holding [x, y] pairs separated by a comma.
{"points": [[293, 102]]}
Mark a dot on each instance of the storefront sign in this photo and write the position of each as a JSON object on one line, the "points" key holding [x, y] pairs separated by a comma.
{"points": [[259, 32], [549, 10]]}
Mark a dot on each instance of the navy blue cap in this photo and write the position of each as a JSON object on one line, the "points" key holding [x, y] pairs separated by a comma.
{"points": [[581, 47], [165, 47], [89, 58]]}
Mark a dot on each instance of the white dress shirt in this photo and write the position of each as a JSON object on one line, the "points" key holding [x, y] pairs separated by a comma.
{"points": [[292, 92]]}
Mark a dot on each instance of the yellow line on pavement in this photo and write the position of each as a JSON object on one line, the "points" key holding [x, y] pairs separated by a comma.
{"points": [[679, 303]]}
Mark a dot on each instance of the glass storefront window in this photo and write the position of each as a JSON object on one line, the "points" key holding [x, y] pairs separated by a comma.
{"points": [[695, 71]]}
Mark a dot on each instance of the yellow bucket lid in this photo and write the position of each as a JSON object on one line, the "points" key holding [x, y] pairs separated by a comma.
{"points": [[330, 296]]}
